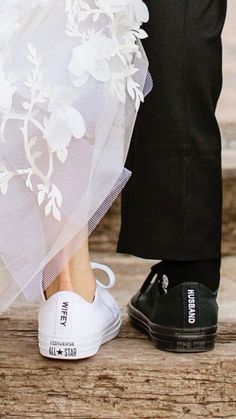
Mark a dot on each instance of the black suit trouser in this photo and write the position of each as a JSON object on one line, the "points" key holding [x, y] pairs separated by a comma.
{"points": [[172, 204]]}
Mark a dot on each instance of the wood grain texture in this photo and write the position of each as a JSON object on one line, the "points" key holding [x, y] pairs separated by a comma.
{"points": [[128, 378]]}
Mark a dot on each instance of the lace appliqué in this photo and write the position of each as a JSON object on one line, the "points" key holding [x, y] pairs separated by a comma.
{"points": [[105, 54]]}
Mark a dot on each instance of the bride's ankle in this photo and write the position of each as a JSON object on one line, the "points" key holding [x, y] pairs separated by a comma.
{"points": [[65, 283], [82, 283], [61, 283]]}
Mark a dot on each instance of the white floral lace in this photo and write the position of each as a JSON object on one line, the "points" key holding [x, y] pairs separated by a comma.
{"points": [[106, 55]]}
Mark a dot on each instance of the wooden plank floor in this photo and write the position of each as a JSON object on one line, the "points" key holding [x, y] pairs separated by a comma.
{"points": [[128, 378]]}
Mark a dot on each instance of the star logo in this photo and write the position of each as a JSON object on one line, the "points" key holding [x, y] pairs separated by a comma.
{"points": [[60, 352], [165, 283]]}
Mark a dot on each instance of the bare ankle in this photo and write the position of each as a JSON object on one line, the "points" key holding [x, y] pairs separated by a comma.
{"points": [[61, 283], [84, 284], [65, 283]]}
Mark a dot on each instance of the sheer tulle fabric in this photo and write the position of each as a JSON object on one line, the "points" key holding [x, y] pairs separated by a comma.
{"points": [[72, 75]]}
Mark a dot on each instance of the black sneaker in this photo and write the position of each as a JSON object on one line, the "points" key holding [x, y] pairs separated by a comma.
{"points": [[182, 319]]}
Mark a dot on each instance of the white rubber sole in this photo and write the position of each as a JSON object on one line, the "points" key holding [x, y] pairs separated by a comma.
{"points": [[73, 348]]}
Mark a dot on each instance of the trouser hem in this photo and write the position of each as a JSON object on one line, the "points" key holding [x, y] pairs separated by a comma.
{"points": [[168, 255]]}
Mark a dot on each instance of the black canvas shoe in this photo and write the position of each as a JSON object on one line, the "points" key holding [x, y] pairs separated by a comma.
{"points": [[182, 319]]}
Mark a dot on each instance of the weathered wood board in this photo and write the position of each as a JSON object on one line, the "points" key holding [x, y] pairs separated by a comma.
{"points": [[128, 378]]}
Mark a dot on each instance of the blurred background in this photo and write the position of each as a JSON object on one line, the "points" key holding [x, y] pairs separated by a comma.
{"points": [[105, 236], [226, 111]]}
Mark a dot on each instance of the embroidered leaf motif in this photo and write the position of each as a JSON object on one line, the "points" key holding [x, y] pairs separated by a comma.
{"points": [[62, 155], [106, 52], [95, 56]]}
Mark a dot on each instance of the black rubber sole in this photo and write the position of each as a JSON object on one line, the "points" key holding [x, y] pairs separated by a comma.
{"points": [[171, 339]]}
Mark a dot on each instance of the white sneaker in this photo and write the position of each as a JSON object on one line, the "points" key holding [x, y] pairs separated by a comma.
{"points": [[72, 328]]}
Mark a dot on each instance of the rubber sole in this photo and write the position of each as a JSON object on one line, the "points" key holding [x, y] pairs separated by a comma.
{"points": [[173, 339], [74, 348]]}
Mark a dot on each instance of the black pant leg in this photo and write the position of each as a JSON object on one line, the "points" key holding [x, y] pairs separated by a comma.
{"points": [[172, 205]]}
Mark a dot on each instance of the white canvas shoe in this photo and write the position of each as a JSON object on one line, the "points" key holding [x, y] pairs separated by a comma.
{"points": [[72, 328]]}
